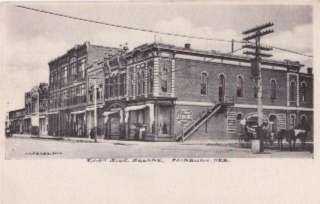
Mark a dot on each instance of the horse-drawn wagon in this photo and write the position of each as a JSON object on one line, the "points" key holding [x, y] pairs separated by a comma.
{"points": [[248, 132]]}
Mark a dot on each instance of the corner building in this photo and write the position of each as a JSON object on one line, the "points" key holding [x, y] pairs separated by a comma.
{"points": [[160, 92], [68, 89]]}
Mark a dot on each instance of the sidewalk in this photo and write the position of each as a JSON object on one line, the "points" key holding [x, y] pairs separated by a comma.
{"points": [[219, 142], [100, 140]]}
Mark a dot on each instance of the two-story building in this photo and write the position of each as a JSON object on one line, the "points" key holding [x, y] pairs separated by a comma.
{"points": [[68, 89], [170, 92], [15, 121], [36, 104]]}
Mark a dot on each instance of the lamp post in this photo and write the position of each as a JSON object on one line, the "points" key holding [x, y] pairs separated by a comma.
{"points": [[95, 105]]}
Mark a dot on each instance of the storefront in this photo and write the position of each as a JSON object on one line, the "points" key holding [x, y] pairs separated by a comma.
{"points": [[43, 125]]}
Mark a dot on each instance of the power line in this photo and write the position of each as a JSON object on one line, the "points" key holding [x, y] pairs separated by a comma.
{"points": [[122, 26], [236, 50], [291, 51], [152, 31]]}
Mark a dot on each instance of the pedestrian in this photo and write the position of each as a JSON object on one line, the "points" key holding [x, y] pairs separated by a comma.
{"points": [[92, 133]]}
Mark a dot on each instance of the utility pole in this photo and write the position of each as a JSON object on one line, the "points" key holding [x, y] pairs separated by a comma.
{"points": [[232, 46], [95, 110], [96, 80], [255, 34]]}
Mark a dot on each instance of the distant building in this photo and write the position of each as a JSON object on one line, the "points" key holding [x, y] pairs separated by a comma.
{"points": [[36, 105], [68, 89], [15, 121]]}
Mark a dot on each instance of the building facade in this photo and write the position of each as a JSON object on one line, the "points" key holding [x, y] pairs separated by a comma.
{"points": [[15, 121], [68, 89], [36, 105], [160, 92]]}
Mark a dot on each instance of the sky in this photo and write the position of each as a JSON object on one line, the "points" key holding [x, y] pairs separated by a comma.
{"points": [[31, 39]]}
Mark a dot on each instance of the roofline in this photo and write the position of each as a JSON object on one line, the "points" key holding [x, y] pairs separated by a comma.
{"points": [[205, 53], [20, 109], [77, 46]]}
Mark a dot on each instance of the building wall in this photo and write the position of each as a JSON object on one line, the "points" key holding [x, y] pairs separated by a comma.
{"points": [[187, 82], [68, 88]]}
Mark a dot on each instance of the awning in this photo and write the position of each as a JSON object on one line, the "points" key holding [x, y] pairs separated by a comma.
{"points": [[132, 108], [92, 108], [140, 107], [56, 112], [78, 112], [107, 113]]}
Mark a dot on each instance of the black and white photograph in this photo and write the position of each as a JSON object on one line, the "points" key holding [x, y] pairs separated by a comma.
{"points": [[157, 80]]}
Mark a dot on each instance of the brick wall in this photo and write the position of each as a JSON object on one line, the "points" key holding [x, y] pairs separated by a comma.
{"points": [[187, 82]]}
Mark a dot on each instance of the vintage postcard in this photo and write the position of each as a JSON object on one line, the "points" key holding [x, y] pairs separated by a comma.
{"points": [[159, 102], [195, 81]]}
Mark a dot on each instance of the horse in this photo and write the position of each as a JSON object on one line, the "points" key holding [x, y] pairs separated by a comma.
{"points": [[291, 136]]}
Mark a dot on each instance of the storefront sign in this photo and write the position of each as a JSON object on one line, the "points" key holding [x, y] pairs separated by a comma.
{"points": [[184, 116]]}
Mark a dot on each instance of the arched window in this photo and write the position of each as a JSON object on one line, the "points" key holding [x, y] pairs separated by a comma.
{"points": [[273, 86], [221, 87], [293, 91], [239, 86], [204, 84], [303, 91]]}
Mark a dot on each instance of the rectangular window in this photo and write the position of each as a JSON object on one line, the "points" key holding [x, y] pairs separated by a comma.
{"points": [[107, 88], [150, 78], [164, 74], [132, 81]]}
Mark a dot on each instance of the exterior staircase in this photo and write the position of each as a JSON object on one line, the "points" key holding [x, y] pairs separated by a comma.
{"points": [[188, 131]]}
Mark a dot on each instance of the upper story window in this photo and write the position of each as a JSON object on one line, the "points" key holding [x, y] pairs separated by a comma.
{"points": [[73, 71], [64, 75], [163, 74], [239, 86], [132, 81], [139, 83], [221, 90], [82, 65], [116, 85], [204, 84], [273, 87], [292, 91], [303, 91], [122, 84], [99, 92], [150, 78]]}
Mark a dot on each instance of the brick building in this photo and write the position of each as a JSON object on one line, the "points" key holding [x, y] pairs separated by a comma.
{"points": [[160, 88], [68, 89], [15, 120], [36, 105]]}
